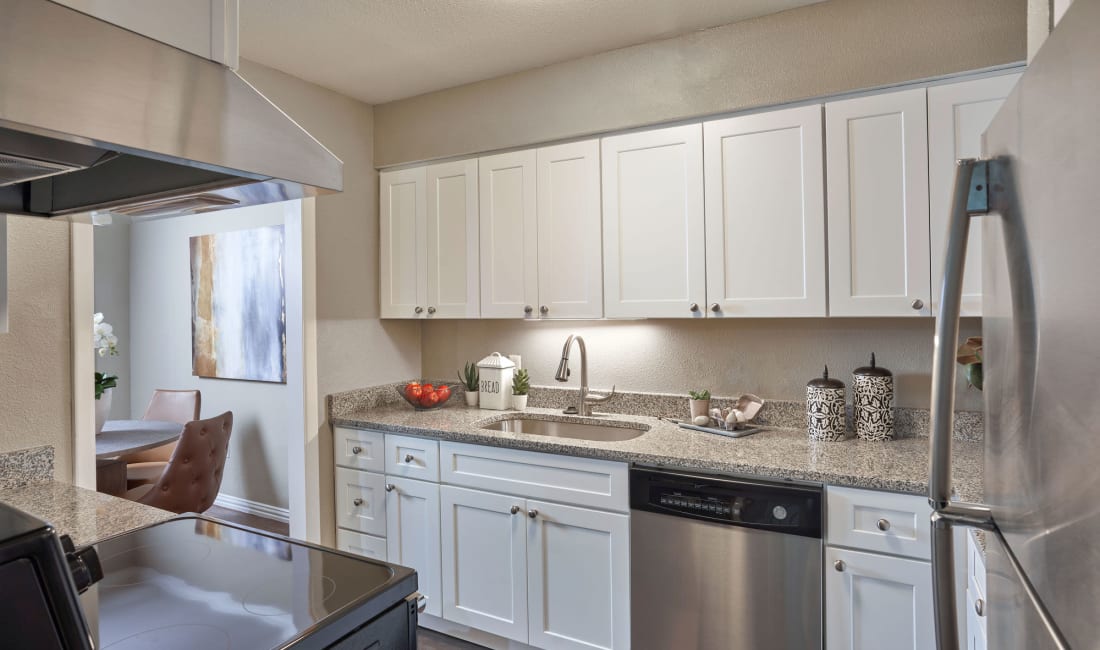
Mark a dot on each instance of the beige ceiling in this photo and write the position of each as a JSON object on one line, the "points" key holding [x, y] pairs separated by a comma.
{"points": [[381, 50]]}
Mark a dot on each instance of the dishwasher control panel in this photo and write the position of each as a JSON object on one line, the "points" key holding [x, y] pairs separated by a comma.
{"points": [[786, 508]]}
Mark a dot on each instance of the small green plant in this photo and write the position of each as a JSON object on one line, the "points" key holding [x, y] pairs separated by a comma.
{"points": [[104, 381], [521, 382], [469, 376], [699, 394]]}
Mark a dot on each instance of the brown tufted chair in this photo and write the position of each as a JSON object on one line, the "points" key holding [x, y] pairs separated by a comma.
{"points": [[193, 476], [180, 406]]}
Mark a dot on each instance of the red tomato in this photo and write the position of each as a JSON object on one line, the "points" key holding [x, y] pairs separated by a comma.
{"points": [[429, 399], [444, 393], [413, 391], [427, 388]]}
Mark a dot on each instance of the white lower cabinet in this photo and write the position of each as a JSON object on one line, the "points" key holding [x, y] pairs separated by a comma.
{"points": [[412, 534], [875, 601], [360, 544], [484, 561], [360, 501]]}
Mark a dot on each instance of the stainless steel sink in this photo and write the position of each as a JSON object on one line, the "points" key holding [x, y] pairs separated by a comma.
{"points": [[576, 430]]}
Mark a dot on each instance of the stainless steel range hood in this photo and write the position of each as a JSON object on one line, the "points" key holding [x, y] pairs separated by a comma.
{"points": [[95, 117]]}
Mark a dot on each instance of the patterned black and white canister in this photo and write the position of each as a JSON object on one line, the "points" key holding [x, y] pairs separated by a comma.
{"points": [[825, 408], [873, 402]]}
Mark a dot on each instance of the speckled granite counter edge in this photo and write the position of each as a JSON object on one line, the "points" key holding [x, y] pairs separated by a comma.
{"points": [[24, 466]]}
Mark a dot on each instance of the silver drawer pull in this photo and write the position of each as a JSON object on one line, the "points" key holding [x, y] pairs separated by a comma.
{"points": [[357, 502], [356, 450], [390, 487], [839, 565], [409, 458], [884, 525], [979, 607], [532, 513], [515, 510], [917, 305]]}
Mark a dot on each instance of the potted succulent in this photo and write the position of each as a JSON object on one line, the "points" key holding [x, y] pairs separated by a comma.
{"points": [[969, 356], [521, 385], [469, 376], [700, 402], [105, 343]]}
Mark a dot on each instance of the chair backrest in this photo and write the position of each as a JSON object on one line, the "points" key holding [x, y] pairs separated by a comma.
{"points": [[179, 406], [193, 476]]}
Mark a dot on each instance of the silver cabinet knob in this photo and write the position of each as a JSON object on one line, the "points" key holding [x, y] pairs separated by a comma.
{"points": [[356, 450], [979, 607], [715, 307], [839, 565], [390, 487], [544, 309], [409, 458], [532, 513], [694, 307], [527, 309], [883, 524], [419, 309], [918, 304], [515, 510], [357, 502], [431, 310]]}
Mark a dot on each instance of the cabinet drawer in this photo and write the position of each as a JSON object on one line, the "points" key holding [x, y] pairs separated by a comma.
{"points": [[975, 566], [412, 457], [883, 522], [359, 449], [360, 544], [580, 481], [361, 501]]}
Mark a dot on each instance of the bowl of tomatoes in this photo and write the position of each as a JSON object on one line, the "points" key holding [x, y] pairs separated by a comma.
{"points": [[425, 397]]}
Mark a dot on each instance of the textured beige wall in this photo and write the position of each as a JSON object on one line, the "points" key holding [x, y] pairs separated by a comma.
{"points": [[771, 357], [35, 369], [822, 49]]}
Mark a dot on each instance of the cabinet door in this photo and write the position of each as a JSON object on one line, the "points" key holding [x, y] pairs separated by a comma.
{"points": [[412, 533], [578, 573], [877, 166], [402, 211], [485, 561], [877, 601], [360, 544], [765, 214], [509, 235], [453, 285], [570, 253], [958, 114], [653, 240], [361, 501]]}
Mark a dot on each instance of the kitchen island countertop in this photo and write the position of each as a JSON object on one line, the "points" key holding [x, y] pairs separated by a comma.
{"points": [[899, 465], [85, 515]]}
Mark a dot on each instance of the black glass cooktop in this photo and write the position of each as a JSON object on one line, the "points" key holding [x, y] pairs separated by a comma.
{"points": [[196, 583]]}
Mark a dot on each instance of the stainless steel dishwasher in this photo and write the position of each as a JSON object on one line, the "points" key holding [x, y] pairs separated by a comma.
{"points": [[719, 563]]}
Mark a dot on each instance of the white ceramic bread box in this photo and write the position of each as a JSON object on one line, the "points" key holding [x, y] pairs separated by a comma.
{"points": [[496, 372]]}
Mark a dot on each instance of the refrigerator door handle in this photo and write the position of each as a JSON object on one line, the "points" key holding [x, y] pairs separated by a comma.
{"points": [[970, 198]]}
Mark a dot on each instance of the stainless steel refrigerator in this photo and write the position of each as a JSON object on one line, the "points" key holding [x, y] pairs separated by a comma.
{"points": [[1037, 192]]}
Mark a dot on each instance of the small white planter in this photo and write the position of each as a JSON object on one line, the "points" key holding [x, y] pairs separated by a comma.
{"points": [[519, 402], [102, 410], [471, 398], [699, 407]]}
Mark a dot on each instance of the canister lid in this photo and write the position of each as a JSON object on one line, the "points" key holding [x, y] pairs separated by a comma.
{"points": [[872, 370], [496, 360], [825, 382]]}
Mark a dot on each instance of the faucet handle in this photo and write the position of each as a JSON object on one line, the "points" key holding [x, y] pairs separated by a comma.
{"points": [[597, 399]]}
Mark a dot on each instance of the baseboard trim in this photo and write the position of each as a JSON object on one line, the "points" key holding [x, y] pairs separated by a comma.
{"points": [[253, 508]]}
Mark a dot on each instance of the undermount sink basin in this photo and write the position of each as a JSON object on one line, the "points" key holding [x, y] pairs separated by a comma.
{"points": [[576, 430]]}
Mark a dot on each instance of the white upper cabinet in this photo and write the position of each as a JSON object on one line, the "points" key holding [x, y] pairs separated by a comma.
{"points": [[653, 229], [765, 214], [877, 161], [570, 268], [207, 28], [958, 114], [403, 222], [453, 284], [509, 235]]}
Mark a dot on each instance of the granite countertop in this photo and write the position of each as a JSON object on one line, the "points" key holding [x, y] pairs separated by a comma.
{"points": [[899, 465], [85, 515]]}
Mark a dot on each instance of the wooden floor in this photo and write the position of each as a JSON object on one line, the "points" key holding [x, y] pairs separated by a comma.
{"points": [[245, 519], [429, 640]]}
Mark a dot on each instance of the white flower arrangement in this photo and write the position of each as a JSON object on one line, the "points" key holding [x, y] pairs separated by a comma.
{"points": [[106, 343]]}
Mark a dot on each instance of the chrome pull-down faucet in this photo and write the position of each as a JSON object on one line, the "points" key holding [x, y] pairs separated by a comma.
{"points": [[584, 400]]}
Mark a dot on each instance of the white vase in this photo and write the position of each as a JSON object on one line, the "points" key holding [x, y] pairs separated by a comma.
{"points": [[102, 409], [519, 402], [471, 398]]}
